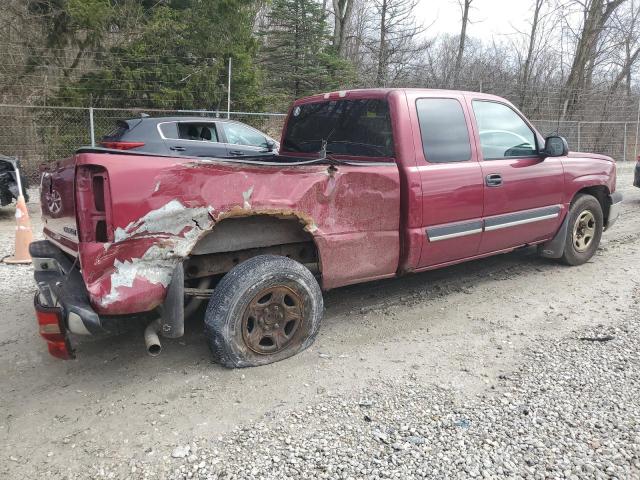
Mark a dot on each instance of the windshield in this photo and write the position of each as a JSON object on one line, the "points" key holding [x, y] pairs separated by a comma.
{"points": [[350, 127]]}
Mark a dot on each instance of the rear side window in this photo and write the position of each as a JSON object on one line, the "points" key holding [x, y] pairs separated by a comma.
{"points": [[350, 127], [169, 130], [118, 132], [204, 132], [445, 137]]}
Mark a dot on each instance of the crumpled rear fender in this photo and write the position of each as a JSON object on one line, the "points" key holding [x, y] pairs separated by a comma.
{"points": [[160, 214]]}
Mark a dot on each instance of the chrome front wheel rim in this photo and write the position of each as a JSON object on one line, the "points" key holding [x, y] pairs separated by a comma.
{"points": [[584, 230]]}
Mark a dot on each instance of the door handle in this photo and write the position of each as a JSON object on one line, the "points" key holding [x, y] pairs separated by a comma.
{"points": [[493, 180], [236, 152], [177, 149]]}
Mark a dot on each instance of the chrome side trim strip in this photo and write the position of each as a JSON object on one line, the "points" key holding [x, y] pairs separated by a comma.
{"points": [[455, 235], [444, 232], [473, 227], [521, 222]]}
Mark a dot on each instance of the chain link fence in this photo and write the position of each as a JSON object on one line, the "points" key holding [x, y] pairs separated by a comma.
{"points": [[39, 135]]}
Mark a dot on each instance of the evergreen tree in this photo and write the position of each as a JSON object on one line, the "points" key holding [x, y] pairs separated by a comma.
{"points": [[176, 58], [296, 54]]}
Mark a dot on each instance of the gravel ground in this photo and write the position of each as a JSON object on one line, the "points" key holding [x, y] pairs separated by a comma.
{"points": [[508, 367], [569, 411]]}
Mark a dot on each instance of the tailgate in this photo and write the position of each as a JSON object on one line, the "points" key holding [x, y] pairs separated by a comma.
{"points": [[57, 199]]}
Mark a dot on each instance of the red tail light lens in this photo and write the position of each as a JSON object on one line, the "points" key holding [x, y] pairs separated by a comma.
{"points": [[49, 325], [122, 145], [93, 201], [51, 328]]}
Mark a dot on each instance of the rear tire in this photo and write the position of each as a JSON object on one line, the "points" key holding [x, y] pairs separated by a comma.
{"points": [[584, 230], [264, 310]]}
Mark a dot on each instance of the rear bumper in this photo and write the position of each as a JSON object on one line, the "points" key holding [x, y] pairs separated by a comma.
{"points": [[62, 302], [60, 286], [614, 209]]}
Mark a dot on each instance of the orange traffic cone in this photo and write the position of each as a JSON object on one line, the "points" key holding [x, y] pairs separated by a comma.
{"points": [[24, 236]]}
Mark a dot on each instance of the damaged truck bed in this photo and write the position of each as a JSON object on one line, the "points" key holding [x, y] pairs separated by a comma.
{"points": [[359, 192]]}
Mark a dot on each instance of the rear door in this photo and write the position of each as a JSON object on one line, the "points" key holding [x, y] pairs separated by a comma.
{"points": [[193, 139], [522, 191], [450, 176]]}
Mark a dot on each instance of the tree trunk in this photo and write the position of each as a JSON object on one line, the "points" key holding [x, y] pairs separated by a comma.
{"points": [[341, 15], [596, 16], [526, 71], [463, 36], [382, 54]]}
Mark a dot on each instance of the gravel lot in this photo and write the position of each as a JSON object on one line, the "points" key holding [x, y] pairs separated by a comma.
{"points": [[512, 366]]}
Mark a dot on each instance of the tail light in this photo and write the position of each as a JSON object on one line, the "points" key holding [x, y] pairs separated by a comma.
{"points": [[93, 200], [121, 145], [51, 328]]}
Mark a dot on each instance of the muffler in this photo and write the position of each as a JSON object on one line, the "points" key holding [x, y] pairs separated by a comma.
{"points": [[151, 339]]}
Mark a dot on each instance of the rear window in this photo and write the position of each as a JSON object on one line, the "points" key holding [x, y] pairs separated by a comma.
{"points": [[350, 127], [118, 131]]}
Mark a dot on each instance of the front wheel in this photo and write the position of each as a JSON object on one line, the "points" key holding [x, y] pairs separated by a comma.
{"points": [[264, 310], [585, 225]]}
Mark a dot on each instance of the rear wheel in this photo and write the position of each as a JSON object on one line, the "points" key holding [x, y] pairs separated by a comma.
{"points": [[264, 310], [584, 230]]}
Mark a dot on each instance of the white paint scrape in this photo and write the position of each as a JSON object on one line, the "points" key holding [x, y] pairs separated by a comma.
{"points": [[180, 226], [172, 218], [247, 197]]}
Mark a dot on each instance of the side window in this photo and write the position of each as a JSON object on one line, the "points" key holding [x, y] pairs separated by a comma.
{"points": [[204, 132], [169, 130], [240, 135], [445, 137], [503, 133]]}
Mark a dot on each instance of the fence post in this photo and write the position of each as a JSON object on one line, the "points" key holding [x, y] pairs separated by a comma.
{"points": [[578, 136], [91, 127], [624, 148], [635, 148]]}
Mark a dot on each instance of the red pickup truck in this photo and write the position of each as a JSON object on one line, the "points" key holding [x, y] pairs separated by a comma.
{"points": [[368, 184]]}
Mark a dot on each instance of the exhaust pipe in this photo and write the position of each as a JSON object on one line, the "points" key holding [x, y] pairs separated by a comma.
{"points": [[151, 339]]}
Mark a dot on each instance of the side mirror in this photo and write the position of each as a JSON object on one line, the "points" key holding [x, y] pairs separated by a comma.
{"points": [[555, 146], [270, 145]]}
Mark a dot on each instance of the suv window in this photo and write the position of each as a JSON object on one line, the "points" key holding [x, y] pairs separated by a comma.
{"points": [[118, 132], [350, 127], [445, 137], [503, 133], [240, 135], [204, 132]]}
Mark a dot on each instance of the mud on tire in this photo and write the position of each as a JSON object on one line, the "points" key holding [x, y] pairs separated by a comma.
{"points": [[584, 230], [265, 309]]}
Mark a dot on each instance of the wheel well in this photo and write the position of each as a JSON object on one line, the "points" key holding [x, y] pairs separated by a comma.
{"points": [[601, 193], [234, 240]]}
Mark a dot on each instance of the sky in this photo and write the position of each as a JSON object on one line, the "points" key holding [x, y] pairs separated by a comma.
{"points": [[490, 18]]}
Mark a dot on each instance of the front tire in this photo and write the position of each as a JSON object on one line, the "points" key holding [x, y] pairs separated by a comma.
{"points": [[584, 230], [264, 310]]}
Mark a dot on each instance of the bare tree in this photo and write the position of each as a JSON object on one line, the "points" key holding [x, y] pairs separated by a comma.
{"points": [[596, 14], [397, 38], [341, 14], [464, 8], [526, 68], [627, 42]]}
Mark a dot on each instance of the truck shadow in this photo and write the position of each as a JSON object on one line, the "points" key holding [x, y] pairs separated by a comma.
{"points": [[192, 350]]}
